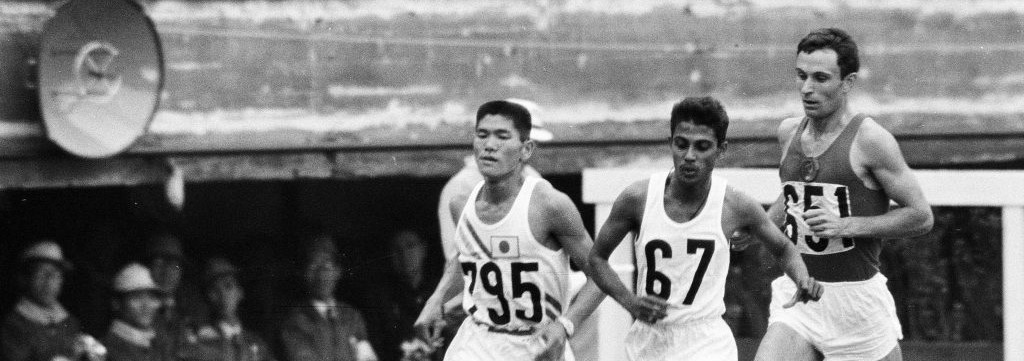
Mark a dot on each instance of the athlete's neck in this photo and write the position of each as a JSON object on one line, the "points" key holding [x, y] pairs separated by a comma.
{"points": [[688, 193], [833, 123], [500, 189]]}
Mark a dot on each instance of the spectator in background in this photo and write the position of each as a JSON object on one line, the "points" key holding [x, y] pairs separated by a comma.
{"points": [[222, 337], [323, 328], [132, 336], [181, 301], [397, 294], [39, 328]]}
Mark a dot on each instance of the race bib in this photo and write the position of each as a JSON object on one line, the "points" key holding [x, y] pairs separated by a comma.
{"points": [[801, 197]]}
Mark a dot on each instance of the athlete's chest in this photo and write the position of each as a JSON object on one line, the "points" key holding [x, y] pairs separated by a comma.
{"points": [[814, 145], [491, 213], [502, 219]]}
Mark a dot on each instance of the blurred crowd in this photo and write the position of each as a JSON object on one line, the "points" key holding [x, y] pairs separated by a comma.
{"points": [[156, 313], [167, 305]]}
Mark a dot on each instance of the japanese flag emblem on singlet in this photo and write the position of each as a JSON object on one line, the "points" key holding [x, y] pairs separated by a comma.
{"points": [[801, 197]]}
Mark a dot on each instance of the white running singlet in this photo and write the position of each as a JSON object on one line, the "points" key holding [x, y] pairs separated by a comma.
{"points": [[683, 263], [512, 282]]}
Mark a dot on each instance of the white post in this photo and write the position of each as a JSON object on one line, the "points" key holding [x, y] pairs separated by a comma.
{"points": [[1013, 283]]}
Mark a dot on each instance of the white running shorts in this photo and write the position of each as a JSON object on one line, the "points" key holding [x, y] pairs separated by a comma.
{"points": [[705, 340], [852, 321], [474, 342]]}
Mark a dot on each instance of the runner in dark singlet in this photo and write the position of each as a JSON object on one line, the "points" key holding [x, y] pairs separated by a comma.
{"points": [[839, 172]]}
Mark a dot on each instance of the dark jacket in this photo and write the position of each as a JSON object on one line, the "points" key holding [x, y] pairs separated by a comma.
{"points": [[22, 339], [308, 336], [206, 342]]}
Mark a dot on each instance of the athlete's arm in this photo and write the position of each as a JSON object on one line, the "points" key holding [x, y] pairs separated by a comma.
{"points": [[757, 221], [878, 150], [626, 213], [787, 129], [431, 318], [566, 227], [560, 219], [777, 211]]}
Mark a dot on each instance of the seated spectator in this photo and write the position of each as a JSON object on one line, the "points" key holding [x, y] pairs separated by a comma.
{"points": [[181, 301], [322, 328], [394, 297], [222, 337], [39, 328], [132, 336]]}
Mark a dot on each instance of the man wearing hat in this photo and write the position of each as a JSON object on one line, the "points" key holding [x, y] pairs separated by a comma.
{"points": [[180, 301], [39, 328], [132, 336], [323, 328], [222, 338]]}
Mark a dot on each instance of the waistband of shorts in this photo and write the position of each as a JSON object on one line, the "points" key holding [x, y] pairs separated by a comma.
{"points": [[689, 322], [878, 277], [520, 332]]}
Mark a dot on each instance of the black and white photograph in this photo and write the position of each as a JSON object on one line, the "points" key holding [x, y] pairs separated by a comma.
{"points": [[511, 180]]}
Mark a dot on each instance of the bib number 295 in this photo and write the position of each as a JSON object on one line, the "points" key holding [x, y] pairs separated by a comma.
{"points": [[492, 282]]}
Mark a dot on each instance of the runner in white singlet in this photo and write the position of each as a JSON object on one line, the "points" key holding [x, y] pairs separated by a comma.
{"points": [[514, 238], [681, 219]]}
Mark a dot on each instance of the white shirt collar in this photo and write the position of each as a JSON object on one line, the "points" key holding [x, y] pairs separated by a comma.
{"points": [[229, 330], [324, 306], [38, 314], [135, 336]]}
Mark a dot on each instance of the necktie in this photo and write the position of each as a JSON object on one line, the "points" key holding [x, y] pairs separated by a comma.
{"points": [[332, 325]]}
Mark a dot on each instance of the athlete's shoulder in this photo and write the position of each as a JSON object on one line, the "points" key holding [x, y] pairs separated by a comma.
{"points": [[457, 204], [875, 141], [871, 131], [738, 200], [635, 193], [787, 127], [551, 210], [548, 197]]}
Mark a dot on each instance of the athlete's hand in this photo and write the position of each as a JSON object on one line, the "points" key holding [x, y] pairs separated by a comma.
{"points": [[551, 339], [647, 309], [806, 290], [428, 327], [826, 224], [740, 240]]}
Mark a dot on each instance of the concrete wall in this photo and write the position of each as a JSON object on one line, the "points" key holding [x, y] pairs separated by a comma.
{"points": [[246, 76]]}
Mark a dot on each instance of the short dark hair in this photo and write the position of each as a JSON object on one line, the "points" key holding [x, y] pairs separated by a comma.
{"points": [[837, 40], [519, 115], [705, 111]]}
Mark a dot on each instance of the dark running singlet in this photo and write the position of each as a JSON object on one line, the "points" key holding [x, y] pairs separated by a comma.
{"points": [[829, 182]]}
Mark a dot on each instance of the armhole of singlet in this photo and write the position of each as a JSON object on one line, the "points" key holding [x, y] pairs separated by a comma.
{"points": [[794, 140], [470, 202]]}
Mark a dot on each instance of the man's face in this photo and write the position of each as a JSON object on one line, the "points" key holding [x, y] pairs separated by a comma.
{"points": [[166, 273], [139, 309], [408, 254], [225, 294], [694, 152], [822, 90], [45, 280], [498, 148], [321, 276]]}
